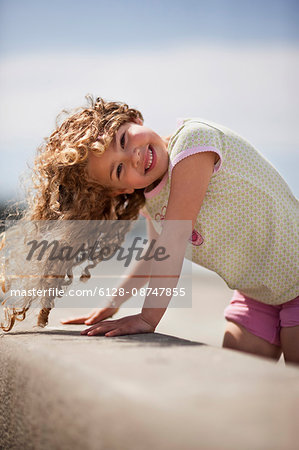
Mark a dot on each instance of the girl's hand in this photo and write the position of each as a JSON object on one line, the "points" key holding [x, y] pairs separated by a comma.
{"points": [[96, 315], [127, 325]]}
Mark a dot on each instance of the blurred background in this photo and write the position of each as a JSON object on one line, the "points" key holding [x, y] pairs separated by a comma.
{"points": [[230, 61]]}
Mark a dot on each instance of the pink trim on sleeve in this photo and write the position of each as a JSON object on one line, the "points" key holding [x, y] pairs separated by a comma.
{"points": [[198, 149], [180, 122]]}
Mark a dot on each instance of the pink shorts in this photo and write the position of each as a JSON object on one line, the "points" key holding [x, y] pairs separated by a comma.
{"points": [[263, 320]]}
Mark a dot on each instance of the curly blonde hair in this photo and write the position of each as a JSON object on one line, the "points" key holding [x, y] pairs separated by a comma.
{"points": [[62, 189]]}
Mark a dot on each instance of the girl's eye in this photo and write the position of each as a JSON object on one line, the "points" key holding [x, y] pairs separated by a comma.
{"points": [[122, 141], [118, 170]]}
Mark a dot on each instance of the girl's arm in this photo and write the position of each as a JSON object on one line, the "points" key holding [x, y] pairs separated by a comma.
{"points": [[137, 278], [190, 180]]}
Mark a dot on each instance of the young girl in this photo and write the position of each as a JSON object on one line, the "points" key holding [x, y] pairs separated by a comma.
{"points": [[103, 163]]}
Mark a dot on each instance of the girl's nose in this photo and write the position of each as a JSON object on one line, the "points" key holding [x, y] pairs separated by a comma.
{"points": [[136, 157]]}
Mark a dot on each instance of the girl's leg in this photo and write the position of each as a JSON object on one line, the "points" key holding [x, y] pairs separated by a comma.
{"points": [[289, 337], [289, 333], [236, 337], [252, 327]]}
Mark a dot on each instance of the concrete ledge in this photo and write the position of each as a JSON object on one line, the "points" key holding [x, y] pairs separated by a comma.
{"points": [[60, 390]]}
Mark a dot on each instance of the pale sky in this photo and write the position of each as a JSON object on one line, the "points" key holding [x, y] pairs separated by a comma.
{"points": [[232, 62]]}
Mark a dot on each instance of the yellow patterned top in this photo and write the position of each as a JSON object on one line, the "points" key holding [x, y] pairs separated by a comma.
{"points": [[247, 227]]}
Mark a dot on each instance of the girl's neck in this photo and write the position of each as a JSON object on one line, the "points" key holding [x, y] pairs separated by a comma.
{"points": [[153, 185]]}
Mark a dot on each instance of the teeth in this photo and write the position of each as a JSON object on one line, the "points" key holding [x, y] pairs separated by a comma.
{"points": [[150, 159]]}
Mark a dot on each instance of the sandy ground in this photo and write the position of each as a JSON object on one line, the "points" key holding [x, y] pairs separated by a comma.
{"points": [[168, 394], [202, 321]]}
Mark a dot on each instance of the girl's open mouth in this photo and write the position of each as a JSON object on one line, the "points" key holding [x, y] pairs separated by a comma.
{"points": [[150, 159]]}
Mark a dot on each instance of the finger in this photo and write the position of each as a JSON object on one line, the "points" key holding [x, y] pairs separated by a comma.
{"points": [[98, 317], [89, 330], [116, 332], [74, 320], [93, 319], [107, 323], [99, 328], [98, 331]]}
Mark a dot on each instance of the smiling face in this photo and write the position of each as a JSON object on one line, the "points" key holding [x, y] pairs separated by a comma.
{"points": [[136, 158]]}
